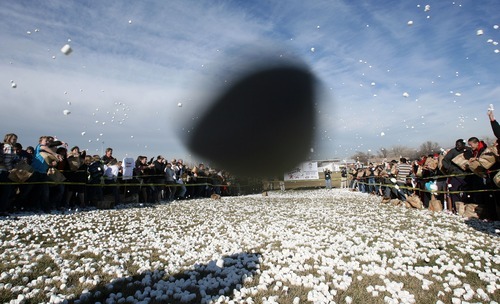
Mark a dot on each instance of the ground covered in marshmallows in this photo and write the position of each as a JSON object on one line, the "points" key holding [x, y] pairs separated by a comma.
{"points": [[315, 246]]}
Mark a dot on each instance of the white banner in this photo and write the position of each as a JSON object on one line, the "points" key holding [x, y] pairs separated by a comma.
{"points": [[303, 171], [128, 165]]}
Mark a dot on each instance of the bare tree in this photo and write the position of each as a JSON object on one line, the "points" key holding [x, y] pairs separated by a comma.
{"points": [[428, 147], [400, 151], [362, 157], [382, 153]]}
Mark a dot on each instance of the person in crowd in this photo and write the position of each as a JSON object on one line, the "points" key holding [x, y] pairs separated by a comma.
{"points": [[360, 178], [328, 179], [7, 162], [382, 176], [76, 177], [180, 174], [111, 171], [406, 176], [144, 173], [191, 181], [358, 164], [428, 172], [495, 126], [476, 182], [364, 179], [108, 156], [201, 179], [31, 151], [4, 185], [437, 175], [457, 178], [95, 174], [57, 191], [159, 178], [352, 175], [398, 175], [225, 182], [151, 189], [9, 150], [22, 155], [477, 147], [372, 185], [45, 156], [483, 182], [343, 178], [217, 182], [170, 182], [421, 178], [120, 171]]}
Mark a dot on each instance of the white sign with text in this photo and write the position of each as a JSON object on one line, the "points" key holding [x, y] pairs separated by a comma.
{"points": [[304, 171]]}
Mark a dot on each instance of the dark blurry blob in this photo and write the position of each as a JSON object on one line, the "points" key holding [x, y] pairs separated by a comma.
{"points": [[262, 125]]}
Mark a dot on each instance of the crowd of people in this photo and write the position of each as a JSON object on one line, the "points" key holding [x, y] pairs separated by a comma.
{"points": [[469, 173], [50, 176]]}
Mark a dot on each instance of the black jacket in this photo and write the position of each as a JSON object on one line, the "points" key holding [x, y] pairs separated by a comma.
{"points": [[449, 166], [496, 128]]}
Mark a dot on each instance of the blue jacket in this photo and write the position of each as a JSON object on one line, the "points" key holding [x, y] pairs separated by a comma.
{"points": [[38, 163]]}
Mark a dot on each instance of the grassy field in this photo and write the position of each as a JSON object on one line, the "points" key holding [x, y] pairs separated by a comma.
{"points": [[289, 247]]}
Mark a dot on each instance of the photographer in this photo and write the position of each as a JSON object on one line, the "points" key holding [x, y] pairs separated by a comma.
{"points": [[328, 179]]}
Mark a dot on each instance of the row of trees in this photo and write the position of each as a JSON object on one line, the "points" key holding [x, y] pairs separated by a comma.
{"points": [[395, 152], [398, 151]]}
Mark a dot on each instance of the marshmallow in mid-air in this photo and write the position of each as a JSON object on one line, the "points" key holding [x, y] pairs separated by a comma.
{"points": [[66, 49]]}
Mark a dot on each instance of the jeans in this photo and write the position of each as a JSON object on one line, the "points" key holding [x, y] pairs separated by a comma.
{"points": [[328, 183], [170, 190], [181, 189], [398, 193], [362, 186], [372, 185]]}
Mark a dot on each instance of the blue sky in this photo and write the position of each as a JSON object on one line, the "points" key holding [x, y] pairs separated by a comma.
{"points": [[134, 62]]}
